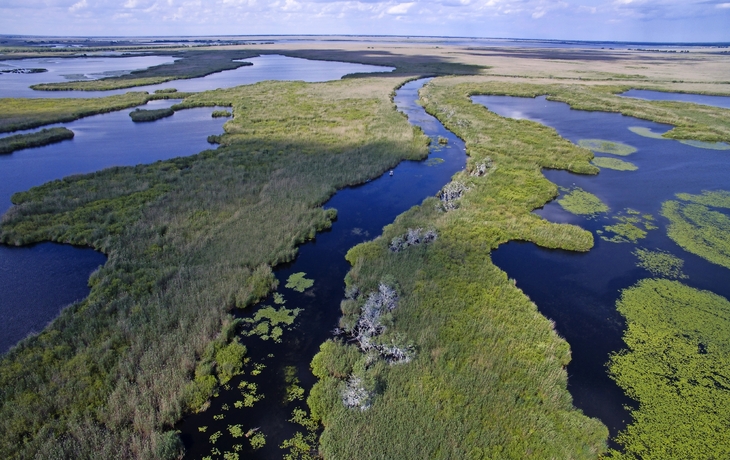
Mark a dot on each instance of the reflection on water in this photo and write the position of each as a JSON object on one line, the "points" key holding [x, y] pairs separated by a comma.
{"points": [[267, 67], [717, 101], [67, 69], [579, 291]]}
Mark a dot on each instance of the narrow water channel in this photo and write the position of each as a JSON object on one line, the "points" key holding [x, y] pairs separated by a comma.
{"points": [[362, 213], [579, 290]]}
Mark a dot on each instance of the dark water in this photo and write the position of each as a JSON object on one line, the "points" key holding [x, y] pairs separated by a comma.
{"points": [[362, 213], [579, 290], [266, 67], [717, 101]]}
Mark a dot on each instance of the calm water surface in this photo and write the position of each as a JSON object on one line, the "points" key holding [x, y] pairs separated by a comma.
{"points": [[266, 67], [579, 290], [717, 101], [68, 69], [362, 213]]}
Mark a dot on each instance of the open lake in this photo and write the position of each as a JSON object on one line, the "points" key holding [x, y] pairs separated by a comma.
{"points": [[265, 67], [579, 290]]}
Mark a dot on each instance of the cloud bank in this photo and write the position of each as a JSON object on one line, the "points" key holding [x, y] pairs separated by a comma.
{"points": [[631, 20]]}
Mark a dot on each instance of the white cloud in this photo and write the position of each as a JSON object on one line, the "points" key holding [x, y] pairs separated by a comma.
{"points": [[723, 5], [401, 8], [78, 6]]}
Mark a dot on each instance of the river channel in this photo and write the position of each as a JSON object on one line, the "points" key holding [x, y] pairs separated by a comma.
{"points": [[579, 290], [362, 212]]}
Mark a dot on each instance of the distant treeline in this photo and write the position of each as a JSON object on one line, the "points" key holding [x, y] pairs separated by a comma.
{"points": [[25, 141]]}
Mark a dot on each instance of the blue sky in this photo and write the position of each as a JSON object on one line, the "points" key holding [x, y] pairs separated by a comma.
{"points": [[624, 20]]}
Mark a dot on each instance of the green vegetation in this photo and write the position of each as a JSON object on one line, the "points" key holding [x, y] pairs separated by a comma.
{"points": [[140, 115], [18, 113], [614, 163], [601, 146], [191, 64], [677, 366], [270, 323], [629, 227], [486, 378], [166, 91], [707, 145], [697, 228], [434, 161], [221, 114], [298, 282], [660, 263], [580, 202], [690, 121], [11, 144], [646, 132], [188, 240]]}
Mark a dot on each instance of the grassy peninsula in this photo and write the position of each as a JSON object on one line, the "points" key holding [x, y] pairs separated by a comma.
{"points": [[17, 113], [485, 377], [188, 240], [190, 64], [11, 144]]}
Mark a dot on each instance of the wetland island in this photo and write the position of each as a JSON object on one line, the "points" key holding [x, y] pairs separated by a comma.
{"points": [[376, 247]]}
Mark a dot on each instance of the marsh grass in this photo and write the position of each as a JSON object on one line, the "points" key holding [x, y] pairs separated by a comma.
{"points": [[603, 146], [487, 364], [43, 137], [16, 114], [188, 240], [677, 367], [141, 115]]}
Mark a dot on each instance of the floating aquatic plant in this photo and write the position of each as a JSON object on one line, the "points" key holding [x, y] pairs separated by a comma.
{"points": [[646, 132], [614, 163], [629, 227], [580, 202], [298, 282], [434, 161], [604, 146], [707, 145], [660, 263], [677, 367], [697, 228], [270, 323]]}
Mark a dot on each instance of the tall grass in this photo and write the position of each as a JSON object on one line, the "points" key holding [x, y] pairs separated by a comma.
{"points": [[11, 144], [187, 240]]}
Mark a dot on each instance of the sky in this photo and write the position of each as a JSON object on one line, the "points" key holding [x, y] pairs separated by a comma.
{"points": [[613, 20]]}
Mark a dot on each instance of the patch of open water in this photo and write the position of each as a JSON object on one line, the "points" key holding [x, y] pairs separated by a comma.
{"points": [[704, 99], [265, 67], [579, 290]]}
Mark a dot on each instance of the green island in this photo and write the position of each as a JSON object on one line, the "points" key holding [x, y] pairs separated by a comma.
{"points": [[699, 229], [40, 138], [142, 115], [466, 368], [614, 163], [677, 367], [578, 201]]}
